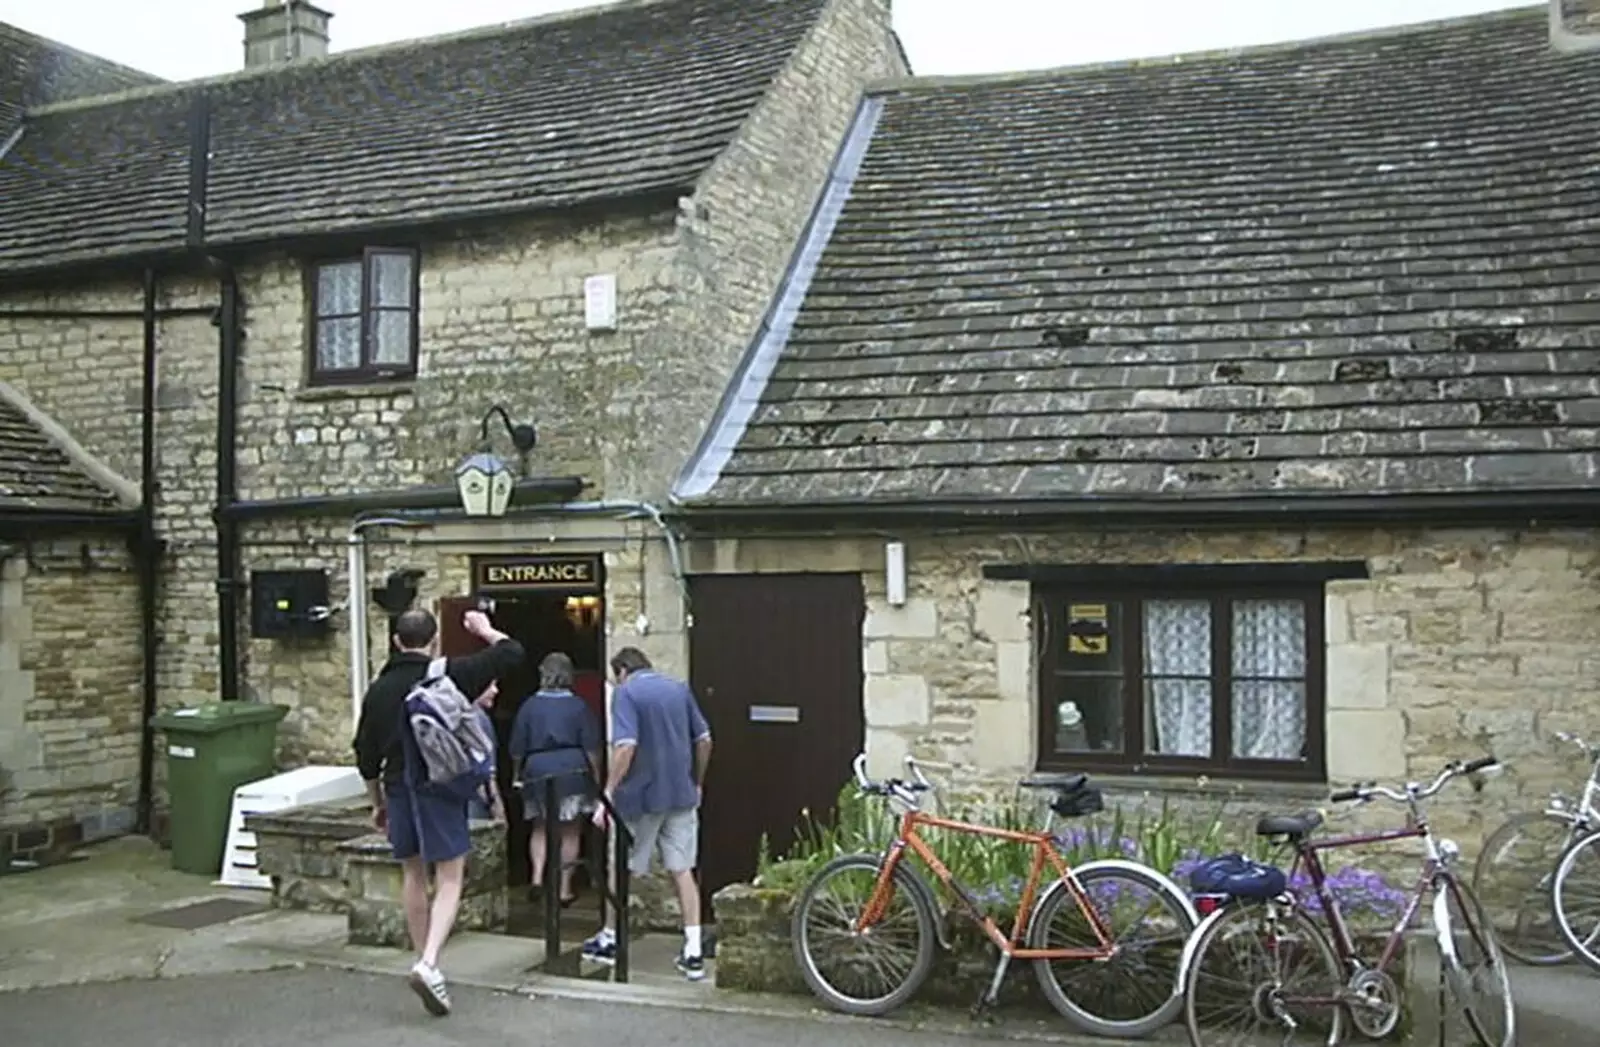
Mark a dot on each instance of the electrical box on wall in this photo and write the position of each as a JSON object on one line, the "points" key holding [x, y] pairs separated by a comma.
{"points": [[289, 603]]}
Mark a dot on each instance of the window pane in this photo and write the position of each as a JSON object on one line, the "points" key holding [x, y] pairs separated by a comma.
{"points": [[339, 289], [391, 280], [339, 344], [391, 331], [1085, 698], [1269, 669], [1177, 670]]}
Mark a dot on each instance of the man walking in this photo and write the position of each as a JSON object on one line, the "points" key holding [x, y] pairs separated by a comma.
{"points": [[660, 747], [425, 827]]}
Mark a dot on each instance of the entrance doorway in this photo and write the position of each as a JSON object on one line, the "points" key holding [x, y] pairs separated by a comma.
{"points": [[547, 604], [775, 661]]}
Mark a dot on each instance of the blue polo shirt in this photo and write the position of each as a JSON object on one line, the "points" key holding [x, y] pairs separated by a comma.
{"points": [[660, 718]]}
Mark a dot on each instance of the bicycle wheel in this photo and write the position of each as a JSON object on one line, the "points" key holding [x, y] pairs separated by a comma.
{"points": [[838, 962], [1147, 916], [1474, 965], [1259, 976], [1575, 899], [1513, 877]]}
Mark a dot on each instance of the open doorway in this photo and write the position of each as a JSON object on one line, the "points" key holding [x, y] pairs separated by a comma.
{"points": [[546, 603]]}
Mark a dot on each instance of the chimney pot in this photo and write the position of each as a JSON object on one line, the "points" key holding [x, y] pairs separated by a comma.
{"points": [[282, 31], [1575, 25]]}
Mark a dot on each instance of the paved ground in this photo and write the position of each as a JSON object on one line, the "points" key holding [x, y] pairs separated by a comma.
{"points": [[76, 967], [343, 1009]]}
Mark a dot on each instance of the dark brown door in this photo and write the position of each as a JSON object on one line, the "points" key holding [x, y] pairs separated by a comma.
{"points": [[775, 660]]}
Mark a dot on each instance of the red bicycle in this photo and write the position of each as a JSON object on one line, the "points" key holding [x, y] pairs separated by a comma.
{"points": [[1104, 937], [1310, 982]]}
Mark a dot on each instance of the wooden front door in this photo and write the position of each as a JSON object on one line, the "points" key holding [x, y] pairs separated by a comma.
{"points": [[775, 660]]}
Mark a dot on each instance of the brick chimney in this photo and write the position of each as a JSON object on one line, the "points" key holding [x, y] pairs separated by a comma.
{"points": [[1575, 25], [284, 31]]}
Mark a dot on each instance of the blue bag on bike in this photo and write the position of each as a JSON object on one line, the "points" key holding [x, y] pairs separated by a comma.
{"points": [[1236, 876]]}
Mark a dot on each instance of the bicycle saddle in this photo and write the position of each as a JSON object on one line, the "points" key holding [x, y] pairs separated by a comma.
{"points": [[1295, 826]]}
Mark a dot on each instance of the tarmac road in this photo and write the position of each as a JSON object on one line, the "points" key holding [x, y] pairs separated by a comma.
{"points": [[328, 1008]]}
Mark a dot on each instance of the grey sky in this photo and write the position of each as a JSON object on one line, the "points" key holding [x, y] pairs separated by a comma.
{"points": [[182, 39]]}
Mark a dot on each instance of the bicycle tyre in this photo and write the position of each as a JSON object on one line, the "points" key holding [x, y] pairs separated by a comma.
{"points": [[1173, 899], [1585, 949], [1478, 926], [1502, 839], [904, 883], [1242, 912]]}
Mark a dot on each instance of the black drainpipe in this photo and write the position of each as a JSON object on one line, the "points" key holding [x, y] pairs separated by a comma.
{"points": [[229, 337], [147, 554], [228, 559]]}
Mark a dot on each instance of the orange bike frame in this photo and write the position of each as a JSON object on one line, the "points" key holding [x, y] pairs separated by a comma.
{"points": [[1044, 850]]}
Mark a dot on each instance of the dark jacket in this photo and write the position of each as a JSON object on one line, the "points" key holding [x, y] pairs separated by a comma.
{"points": [[378, 745]]}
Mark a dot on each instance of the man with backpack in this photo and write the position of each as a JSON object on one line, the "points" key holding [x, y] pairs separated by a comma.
{"points": [[421, 752]]}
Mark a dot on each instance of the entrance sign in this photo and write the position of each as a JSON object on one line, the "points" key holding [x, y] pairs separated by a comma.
{"points": [[580, 573]]}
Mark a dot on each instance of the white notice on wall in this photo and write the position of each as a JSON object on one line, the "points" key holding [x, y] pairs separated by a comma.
{"points": [[600, 302], [182, 752]]}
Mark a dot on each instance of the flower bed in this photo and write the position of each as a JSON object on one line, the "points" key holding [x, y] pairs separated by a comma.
{"points": [[754, 941]]}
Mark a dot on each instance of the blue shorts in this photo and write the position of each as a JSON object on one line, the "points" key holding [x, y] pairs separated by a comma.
{"points": [[427, 824]]}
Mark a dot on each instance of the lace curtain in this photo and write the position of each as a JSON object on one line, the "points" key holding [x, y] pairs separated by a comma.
{"points": [[1268, 671], [1269, 679], [1177, 666]]}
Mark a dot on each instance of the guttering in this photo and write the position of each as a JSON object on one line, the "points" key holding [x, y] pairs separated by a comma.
{"points": [[29, 522], [551, 488], [1438, 509], [743, 394], [146, 551], [169, 313]]}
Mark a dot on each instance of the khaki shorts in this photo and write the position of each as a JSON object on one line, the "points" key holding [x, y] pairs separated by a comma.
{"points": [[676, 833]]}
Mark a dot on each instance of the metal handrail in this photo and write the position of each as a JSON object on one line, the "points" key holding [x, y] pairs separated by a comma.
{"points": [[621, 847]]}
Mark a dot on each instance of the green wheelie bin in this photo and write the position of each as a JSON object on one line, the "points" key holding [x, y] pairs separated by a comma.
{"points": [[211, 751]]}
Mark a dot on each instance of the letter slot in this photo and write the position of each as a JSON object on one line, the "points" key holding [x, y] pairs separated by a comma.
{"points": [[774, 714]]}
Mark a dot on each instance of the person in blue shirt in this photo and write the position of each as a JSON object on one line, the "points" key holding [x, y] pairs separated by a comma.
{"points": [[555, 738], [660, 747], [487, 806]]}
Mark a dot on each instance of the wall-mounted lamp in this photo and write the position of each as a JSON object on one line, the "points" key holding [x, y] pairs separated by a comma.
{"points": [[484, 480], [894, 572]]}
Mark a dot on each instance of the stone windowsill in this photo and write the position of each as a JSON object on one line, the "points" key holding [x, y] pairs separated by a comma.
{"points": [[1219, 789], [356, 390]]}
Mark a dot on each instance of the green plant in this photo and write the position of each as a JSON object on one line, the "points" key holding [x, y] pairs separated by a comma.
{"points": [[1171, 841]]}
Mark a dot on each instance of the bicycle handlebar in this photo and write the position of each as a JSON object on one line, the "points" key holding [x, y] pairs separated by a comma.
{"points": [[1414, 790], [895, 787], [1590, 751]]}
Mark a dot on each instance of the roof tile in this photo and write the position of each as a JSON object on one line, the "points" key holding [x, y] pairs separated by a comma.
{"points": [[1354, 266], [37, 474]]}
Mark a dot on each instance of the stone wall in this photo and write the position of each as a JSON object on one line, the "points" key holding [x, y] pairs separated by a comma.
{"points": [[1460, 642], [70, 696], [751, 209]]}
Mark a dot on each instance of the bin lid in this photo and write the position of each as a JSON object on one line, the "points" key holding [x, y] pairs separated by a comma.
{"points": [[218, 716]]}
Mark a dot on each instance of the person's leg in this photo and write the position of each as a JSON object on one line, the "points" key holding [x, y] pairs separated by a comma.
{"points": [[680, 846], [569, 857], [406, 848], [449, 877], [536, 855], [644, 829], [445, 841]]}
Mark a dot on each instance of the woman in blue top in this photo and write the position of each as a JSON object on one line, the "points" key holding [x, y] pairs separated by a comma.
{"points": [[555, 737]]}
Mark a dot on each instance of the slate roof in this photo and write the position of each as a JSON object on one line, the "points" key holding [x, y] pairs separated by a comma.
{"points": [[608, 103], [35, 71], [35, 473], [1358, 266]]}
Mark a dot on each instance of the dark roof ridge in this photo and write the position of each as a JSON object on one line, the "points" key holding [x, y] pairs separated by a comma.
{"points": [[77, 52], [178, 87], [897, 85]]}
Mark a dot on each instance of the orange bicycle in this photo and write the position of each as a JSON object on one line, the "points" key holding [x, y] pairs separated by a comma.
{"points": [[872, 917]]}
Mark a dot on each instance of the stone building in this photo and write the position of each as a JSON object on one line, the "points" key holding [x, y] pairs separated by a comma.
{"points": [[1236, 418], [71, 650], [352, 259]]}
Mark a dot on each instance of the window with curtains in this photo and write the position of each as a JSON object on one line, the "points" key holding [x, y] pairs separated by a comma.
{"points": [[364, 316], [1203, 682]]}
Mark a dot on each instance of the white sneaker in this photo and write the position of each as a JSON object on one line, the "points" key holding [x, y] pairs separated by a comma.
{"points": [[428, 984]]}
